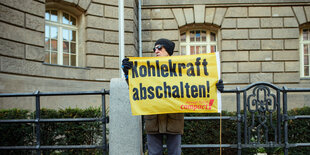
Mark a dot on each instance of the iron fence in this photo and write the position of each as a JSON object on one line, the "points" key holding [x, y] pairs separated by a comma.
{"points": [[260, 104], [37, 121], [264, 101]]}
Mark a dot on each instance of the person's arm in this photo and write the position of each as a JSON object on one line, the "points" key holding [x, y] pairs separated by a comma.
{"points": [[126, 65], [220, 85]]}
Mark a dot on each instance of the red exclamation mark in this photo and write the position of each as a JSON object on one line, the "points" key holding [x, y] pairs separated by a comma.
{"points": [[210, 103]]}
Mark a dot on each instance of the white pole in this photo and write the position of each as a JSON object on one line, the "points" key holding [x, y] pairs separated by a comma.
{"points": [[121, 35], [140, 30]]}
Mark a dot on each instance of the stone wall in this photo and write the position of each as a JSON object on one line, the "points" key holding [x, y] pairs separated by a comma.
{"points": [[256, 42], [22, 27]]}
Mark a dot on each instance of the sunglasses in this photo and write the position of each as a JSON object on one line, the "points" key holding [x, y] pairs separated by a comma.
{"points": [[159, 47]]}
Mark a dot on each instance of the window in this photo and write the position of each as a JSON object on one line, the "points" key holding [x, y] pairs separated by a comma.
{"points": [[61, 38], [198, 41], [305, 52]]}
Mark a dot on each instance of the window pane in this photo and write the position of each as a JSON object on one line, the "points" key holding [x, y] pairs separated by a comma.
{"points": [[54, 32], [183, 37], [47, 15], [73, 47], [183, 50], [192, 50], [73, 60], [198, 49], [200, 41], [72, 21], [192, 36], [305, 49], [54, 58], [213, 49], [204, 49], [203, 35], [65, 18], [47, 44], [47, 31], [306, 71], [66, 46], [305, 34], [73, 35], [197, 35], [213, 37], [65, 34], [306, 60], [54, 44], [66, 59], [54, 16], [47, 57]]}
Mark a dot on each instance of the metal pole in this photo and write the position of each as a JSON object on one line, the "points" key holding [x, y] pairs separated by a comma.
{"points": [[37, 122], [238, 122], [121, 35], [245, 117], [285, 117], [104, 121], [140, 29], [279, 117]]}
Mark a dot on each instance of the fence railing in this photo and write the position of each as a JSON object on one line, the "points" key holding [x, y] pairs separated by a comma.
{"points": [[263, 101], [37, 121]]}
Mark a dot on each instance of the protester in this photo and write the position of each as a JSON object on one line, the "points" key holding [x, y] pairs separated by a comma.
{"points": [[169, 125]]}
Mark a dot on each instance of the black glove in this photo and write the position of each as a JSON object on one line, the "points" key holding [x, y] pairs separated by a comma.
{"points": [[126, 65], [220, 85]]}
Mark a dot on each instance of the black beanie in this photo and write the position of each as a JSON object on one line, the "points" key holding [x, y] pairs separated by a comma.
{"points": [[168, 44]]}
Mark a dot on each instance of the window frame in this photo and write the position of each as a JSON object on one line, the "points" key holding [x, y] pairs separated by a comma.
{"points": [[302, 42], [208, 43], [60, 27]]}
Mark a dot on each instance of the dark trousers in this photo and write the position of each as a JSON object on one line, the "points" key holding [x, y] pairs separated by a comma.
{"points": [[155, 144]]}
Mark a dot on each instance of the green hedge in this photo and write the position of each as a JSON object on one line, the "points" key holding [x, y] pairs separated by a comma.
{"points": [[68, 133], [208, 132], [89, 133], [299, 130], [15, 133]]}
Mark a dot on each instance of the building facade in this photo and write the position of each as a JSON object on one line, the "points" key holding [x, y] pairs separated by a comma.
{"points": [[72, 45]]}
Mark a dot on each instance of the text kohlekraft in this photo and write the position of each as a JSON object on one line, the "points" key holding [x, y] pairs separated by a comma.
{"points": [[172, 70]]}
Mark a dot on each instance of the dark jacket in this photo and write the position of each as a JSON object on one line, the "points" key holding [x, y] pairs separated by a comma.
{"points": [[164, 123]]}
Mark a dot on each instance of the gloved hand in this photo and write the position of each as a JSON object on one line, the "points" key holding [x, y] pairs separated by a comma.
{"points": [[220, 85], [126, 65]]}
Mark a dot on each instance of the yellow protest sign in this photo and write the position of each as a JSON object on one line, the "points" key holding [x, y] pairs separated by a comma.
{"points": [[174, 84]]}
